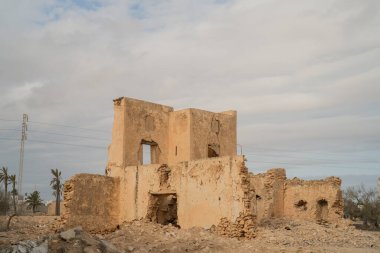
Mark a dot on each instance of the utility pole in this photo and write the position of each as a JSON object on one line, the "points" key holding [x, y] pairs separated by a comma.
{"points": [[21, 163]]}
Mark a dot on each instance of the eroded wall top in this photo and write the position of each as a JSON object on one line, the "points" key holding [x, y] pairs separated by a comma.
{"points": [[171, 136]]}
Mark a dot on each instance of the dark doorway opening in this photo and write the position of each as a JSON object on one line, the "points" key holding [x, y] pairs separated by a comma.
{"points": [[162, 208], [322, 210]]}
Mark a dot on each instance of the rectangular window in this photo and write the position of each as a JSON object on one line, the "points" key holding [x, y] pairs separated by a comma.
{"points": [[147, 151]]}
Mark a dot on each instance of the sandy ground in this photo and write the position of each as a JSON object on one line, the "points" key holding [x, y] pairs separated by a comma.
{"points": [[272, 236]]}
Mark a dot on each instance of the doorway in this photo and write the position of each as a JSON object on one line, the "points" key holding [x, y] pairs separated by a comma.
{"points": [[162, 208], [322, 210]]}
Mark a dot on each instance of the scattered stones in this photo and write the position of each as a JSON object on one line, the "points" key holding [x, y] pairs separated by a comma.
{"points": [[142, 236], [243, 227], [72, 240]]}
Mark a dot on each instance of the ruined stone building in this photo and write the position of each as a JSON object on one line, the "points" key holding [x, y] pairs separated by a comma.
{"points": [[181, 167]]}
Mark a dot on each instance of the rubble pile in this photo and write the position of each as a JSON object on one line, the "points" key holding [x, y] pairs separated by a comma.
{"points": [[40, 235], [243, 227], [72, 240]]}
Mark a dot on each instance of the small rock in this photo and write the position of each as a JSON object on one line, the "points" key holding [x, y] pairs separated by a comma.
{"points": [[42, 248], [90, 249], [68, 234], [130, 248], [109, 247], [88, 239]]}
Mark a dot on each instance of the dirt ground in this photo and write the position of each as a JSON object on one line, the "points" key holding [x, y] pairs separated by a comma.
{"points": [[272, 236]]}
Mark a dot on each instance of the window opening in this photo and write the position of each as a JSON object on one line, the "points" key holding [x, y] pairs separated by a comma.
{"points": [[149, 152]]}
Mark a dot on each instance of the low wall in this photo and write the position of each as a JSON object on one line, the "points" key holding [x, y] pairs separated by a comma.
{"points": [[314, 199], [269, 193], [92, 201], [207, 189]]}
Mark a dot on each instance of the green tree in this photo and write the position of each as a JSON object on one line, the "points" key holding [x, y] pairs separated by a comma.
{"points": [[12, 179], [4, 177], [34, 200], [57, 186]]}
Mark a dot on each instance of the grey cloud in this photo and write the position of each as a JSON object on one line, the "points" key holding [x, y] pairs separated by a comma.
{"points": [[303, 75]]}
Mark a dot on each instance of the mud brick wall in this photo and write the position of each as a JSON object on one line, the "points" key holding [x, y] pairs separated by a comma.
{"points": [[91, 201]]}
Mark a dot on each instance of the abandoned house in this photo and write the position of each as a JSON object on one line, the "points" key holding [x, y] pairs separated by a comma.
{"points": [[181, 167]]}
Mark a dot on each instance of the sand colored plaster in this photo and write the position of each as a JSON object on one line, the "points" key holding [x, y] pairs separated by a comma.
{"points": [[194, 177]]}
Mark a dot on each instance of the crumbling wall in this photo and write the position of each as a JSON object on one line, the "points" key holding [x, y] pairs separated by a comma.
{"points": [[174, 136], [269, 193], [314, 199], [92, 201], [137, 121], [136, 184], [211, 189], [206, 190], [216, 131]]}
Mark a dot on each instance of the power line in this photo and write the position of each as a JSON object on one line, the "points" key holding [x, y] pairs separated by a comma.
{"points": [[312, 159], [10, 130], [53, 133], [14, 120], [68, 144], [59, 125], [70, 135], [311, 164], [68, 126], [267, 150], [52, 142]]}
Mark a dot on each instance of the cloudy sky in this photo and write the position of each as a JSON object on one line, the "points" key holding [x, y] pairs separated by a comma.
{"points": [[304, 77]]}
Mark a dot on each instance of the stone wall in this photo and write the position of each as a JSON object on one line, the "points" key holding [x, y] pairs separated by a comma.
{"points": [[137, 121], [174, 136], [214, 130], [269, 193], [92, 201], [207, 190], [278, 197], [314, 199]]}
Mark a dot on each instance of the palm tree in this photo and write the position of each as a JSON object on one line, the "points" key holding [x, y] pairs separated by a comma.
{"points": [[57, 187], [12, 179], [33, 200], [4, 177]]}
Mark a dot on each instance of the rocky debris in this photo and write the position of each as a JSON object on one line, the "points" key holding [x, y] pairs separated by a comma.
{"points": [[243, 227], [69, 234], [275, 235], [72, 240], [26, 247]]}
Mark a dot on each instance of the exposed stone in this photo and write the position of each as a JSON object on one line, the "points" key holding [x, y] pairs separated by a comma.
{"points": [[68, 234]]}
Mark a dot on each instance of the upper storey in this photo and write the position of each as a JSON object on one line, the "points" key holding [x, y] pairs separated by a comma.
{"points": [[171, 136]]}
